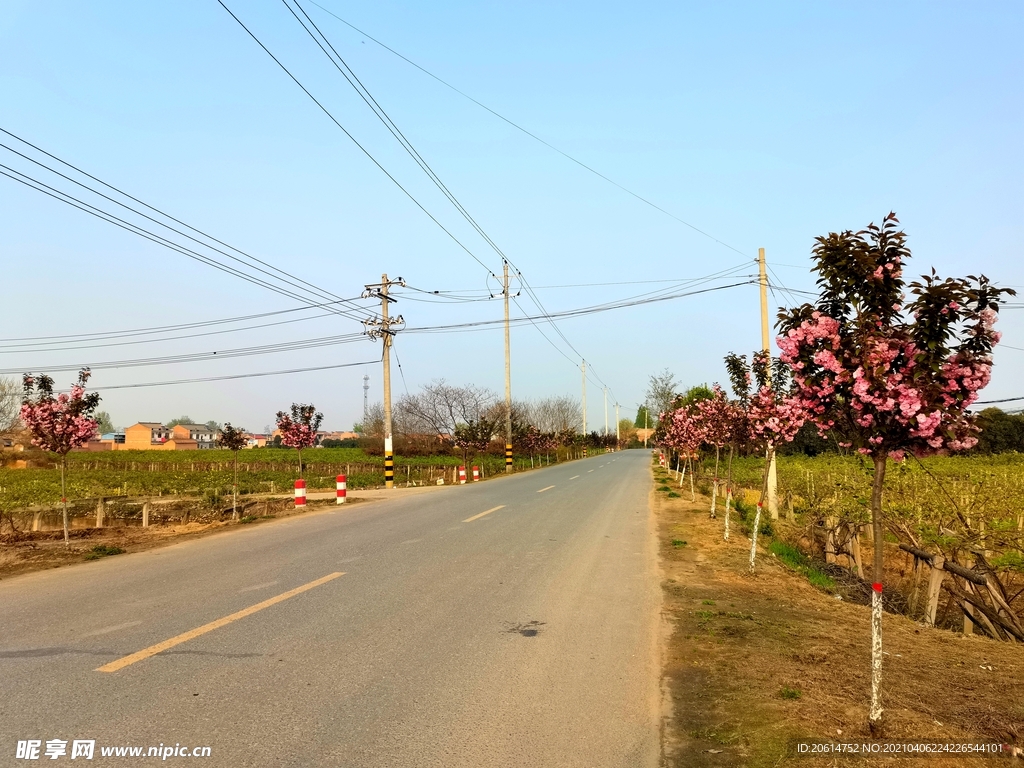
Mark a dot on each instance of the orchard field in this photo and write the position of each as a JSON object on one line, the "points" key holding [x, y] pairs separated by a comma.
{"points": [[969, 510], [210, 473]]}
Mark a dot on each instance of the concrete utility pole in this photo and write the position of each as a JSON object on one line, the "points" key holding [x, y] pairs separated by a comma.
{"points": [[584, 368], [617, 435], [384, 328], [606, 411], [508, 376], [773, 476]]}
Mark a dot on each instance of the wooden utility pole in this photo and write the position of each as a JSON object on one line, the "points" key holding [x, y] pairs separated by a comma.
{"points": [[773, 476], [508, 376], [384, 328]]}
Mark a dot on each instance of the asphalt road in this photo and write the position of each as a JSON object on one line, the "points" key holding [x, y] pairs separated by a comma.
{"points": [[527, 636]]}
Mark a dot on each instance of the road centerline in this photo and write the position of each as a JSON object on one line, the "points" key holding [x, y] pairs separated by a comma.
{"points": [[545, 489], [574, 477], [153, 650], [487, 512]]}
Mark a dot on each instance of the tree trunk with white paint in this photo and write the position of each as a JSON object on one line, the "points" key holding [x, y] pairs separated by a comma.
{"points": [[234, 492], [64, 497], [875, 712], [714, 485], [728, 491], [760, 507]]}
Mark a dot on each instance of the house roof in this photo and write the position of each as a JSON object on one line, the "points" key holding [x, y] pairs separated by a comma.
{"points": [[150, 424], [197, 427]]}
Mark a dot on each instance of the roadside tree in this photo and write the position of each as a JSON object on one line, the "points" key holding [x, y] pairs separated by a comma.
{"points": [[59, 423], [234, 439], [891, 377], [299, 428], [773, 416], [717, 416]]}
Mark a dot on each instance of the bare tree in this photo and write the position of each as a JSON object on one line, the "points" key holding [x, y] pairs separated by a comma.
{"points": [[555, 414], [373, 424], [662, 389], [10, 407], [439, 408]]}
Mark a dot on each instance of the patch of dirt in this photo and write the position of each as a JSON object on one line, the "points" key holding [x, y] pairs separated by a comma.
{"points": [[25, 551], [757, 663]]}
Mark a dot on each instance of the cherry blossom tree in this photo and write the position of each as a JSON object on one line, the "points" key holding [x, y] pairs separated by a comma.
{"points": [[771, 414], [59, 423], [299, 428], [684, 433], [717, 418], [889, 376], [234, 439]]}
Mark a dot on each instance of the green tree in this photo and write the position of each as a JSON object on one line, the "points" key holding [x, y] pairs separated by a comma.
{"points": [[662, 390], [104, 424], [180, 420], [1001, 432], [643, 418], [697, 393]]}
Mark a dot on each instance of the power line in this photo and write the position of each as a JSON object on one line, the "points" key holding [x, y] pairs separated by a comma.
{"points": [[136, 229], [301, 344], [161, 213], [484, 324], [351, 137], [993, 402], [530, 134], [28, 348], [262, 349], [102, 335], [238, 376], [339, 63], [364, 93]]}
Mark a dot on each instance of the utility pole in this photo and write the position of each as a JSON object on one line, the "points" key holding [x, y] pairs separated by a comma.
{"points": [[773, 476], [606, 411], [584, 368], [617, 435], [645, 426], [384, 328], [508, 376]]}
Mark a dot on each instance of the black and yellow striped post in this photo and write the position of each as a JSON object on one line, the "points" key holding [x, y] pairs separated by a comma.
{"points": [[508, 457], [389, 469]]}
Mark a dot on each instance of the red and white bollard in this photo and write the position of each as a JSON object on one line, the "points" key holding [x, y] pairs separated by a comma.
{"points": [[300, 493], [462, 475], [342, 489], [476, 474], [661, 459]]}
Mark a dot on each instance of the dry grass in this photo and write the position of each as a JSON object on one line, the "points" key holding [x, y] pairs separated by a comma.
{"points": [[756, 663]]}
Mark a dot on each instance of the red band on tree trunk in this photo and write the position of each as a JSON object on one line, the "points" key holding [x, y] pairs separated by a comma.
{"points": [[877, 587]]}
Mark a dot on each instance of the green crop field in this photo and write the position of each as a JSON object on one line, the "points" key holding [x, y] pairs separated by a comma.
{"points": [[210, 473]]}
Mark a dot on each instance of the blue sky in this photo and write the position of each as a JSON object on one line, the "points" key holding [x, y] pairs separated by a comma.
{"points": [[763, 125]]}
